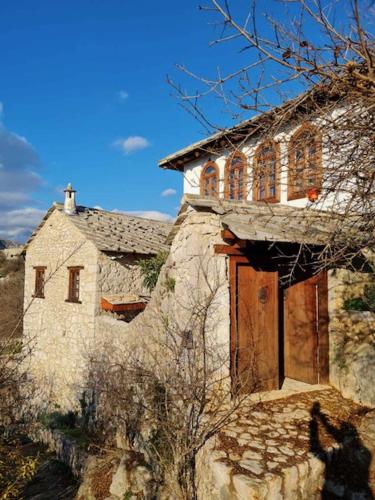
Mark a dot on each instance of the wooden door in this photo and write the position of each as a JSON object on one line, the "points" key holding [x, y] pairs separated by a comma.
{"points": [[306, 330], [254, 329]]}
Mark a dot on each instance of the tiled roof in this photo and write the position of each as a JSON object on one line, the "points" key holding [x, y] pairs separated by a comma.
{"points": [[117, 232], [257, 221]]}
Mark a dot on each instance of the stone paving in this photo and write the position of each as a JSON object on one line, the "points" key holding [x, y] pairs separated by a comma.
{"points": [[293, 447]]}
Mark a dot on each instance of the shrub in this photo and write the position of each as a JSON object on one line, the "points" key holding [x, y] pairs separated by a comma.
{"points": [[355, 304], [57, 420], [150, 269], [170, 284], [364, 303]]}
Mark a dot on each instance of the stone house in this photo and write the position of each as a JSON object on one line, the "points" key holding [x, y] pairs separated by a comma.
{"points": [[81, 263], [244, 208], [263, 200]]}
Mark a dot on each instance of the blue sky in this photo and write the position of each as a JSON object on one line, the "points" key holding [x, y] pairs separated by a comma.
{"points": [[84, 99]]}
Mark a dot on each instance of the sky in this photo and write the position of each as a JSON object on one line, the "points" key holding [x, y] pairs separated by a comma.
{"points": [[84, 99]]}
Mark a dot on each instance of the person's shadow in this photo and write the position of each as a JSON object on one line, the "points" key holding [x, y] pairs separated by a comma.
{"points": [[346, 466]]}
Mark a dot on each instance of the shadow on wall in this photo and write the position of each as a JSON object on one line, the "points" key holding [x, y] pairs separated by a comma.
{"points": [[347, 464]]}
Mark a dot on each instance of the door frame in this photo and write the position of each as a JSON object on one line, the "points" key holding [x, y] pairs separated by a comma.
{"points": [[323, 320]]}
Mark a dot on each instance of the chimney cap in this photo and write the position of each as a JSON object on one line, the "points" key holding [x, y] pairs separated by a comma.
{"points": [[69, 188]]}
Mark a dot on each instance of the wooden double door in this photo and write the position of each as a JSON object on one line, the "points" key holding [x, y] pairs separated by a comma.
{"points": [[276, 331]]}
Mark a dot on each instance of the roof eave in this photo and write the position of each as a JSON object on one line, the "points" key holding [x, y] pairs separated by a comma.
{"points": [[225, 137], [210, 145]]}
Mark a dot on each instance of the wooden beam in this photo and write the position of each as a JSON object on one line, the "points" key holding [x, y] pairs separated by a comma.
{"points": [[227, 235], [228, 249]]}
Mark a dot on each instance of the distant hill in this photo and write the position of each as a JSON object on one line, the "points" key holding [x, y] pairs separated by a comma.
{"points": [[11, 296], [8, 244]]}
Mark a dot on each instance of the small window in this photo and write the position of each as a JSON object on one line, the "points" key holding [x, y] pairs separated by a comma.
{"points": [[74, 284], [236, 177], [266, 172], [305, 168], [40, 273], [210, 180]]}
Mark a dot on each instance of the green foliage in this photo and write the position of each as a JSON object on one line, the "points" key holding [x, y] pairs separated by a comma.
{"points": [[364, 303], [170, 284], [57, 420], [355, 304], [150, 269], [71, 424], [10, 347]]}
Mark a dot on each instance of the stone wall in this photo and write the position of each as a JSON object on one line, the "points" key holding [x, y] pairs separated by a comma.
{"points": [[120, 274], [182, 285], [60, 333], [111, 333], [352, 340]]}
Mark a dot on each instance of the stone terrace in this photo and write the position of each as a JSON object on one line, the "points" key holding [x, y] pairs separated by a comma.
{"points": [[277, 450]]}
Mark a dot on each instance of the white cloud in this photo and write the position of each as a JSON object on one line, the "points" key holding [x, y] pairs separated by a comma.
{"points": [[11, 199], [123, 95], [168, 192], [131, 144], [19, 223], [147, 214], [18, 179]]}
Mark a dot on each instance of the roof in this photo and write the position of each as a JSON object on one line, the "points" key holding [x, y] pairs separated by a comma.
{"points": [[116, 232], [257, 221], [121, 298], [123, 303], [229, 137]]}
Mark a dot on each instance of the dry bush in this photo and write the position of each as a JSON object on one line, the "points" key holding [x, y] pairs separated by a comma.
{"points": [[169, 391], [11, 313], [12, 275]]}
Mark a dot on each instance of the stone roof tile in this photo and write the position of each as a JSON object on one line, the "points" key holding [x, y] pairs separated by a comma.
{"points": [[117, 232]]}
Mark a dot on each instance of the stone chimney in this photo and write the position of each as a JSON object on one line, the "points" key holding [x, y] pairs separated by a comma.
{"points": [[70, 207]]}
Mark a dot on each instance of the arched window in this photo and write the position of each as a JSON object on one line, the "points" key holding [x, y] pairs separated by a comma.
{"points": [[305, 162], [210, 180], [236, 177], [266, 172]]}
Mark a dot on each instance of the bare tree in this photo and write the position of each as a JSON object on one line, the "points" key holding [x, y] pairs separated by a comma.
{"points": [[169, 391], [314, 63]]}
